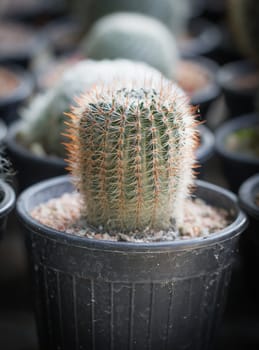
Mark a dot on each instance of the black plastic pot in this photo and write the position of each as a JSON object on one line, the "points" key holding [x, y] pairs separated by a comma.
{"points": [[38, 13], [205, 39], [33, 50], [215, 10], [64, 35], [10, 104], [7, 202], [236, 167], [239, 100], [250, 240], [93, 294], [206, 96], [30, 168]]}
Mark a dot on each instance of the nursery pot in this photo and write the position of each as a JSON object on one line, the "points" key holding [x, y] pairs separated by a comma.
{"points": [[30, 168], [96, 294], [237, 167], [37, 12], [203, 96], [10, 103], [239, 82], [250, 240], [205, 39], [7, 202]]}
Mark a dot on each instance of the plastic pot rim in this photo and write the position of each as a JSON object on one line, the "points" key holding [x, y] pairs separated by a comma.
{"points": [[199, 45], [235, 228], [226, 81], [246, 196], [212, 89], [37, 43], [229, 127], [24, 88]]}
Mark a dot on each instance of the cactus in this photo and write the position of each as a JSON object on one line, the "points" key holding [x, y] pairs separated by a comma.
{"points": [[43, 125], [244, 15], [132, 36], [172, 13], [132, 155]]}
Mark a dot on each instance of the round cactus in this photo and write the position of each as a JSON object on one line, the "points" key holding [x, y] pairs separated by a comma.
{"points": [[44, 119], [132, 155], [172, 13], [132, 36], [244, 15]]}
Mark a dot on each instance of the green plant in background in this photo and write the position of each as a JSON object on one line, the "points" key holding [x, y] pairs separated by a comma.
{"points": [[43, 120], [132, 36], [244, 15], [132, 155]]}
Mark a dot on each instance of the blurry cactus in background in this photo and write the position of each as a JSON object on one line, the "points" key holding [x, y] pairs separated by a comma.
{"points": [[173, 13], [132, 36]]}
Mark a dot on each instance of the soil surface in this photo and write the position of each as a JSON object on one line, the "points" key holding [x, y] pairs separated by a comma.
{"points": [[14, 37], [192, 77], [63, 214], [8, 82]]}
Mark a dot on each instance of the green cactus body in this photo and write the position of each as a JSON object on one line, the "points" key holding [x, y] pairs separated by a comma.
{"points": [[244, 15], [132, 36], [172, 13], [44, 119], [132, 154]]}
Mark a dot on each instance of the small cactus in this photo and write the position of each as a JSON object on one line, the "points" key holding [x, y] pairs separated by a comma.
{"points": [[172, 13], [133, 36], [43, 125], [244, 15], [132, 155]]}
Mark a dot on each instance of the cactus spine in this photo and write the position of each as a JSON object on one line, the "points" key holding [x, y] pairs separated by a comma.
{"points": [[132, 36], [244, 15], [132, 154]]}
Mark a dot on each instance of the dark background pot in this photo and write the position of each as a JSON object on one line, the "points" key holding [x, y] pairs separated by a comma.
{"points": [[236, 167], [249, 245], [239, 100], [36, 50], [29, 167], [98, 294], [64, 35], [10, 104], [211, 92], [37, 14], [7, 202], [206, 39]]}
